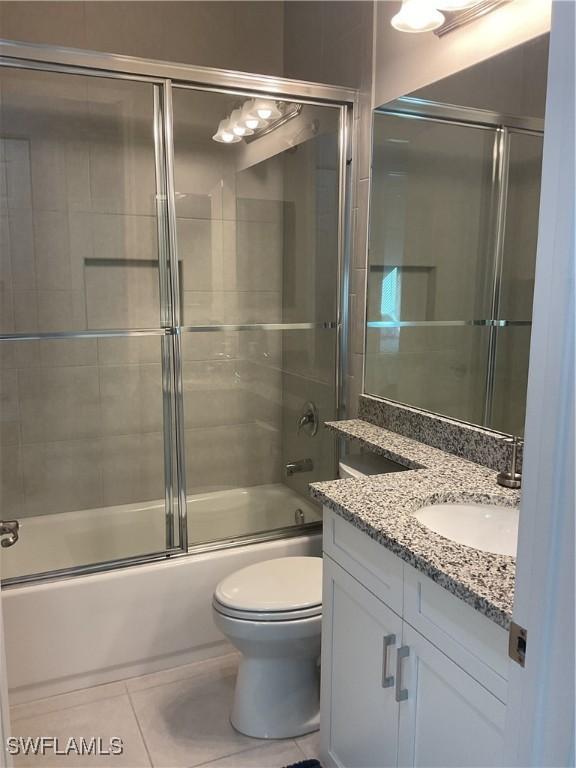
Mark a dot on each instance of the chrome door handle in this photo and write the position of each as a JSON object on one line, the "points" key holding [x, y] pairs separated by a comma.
{"points": [[387, 680], [401, 653], [10, 529]]}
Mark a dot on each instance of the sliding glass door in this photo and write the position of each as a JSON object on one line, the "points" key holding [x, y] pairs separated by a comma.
{"points": [[169, 316], [257, 240], [87, 424]]}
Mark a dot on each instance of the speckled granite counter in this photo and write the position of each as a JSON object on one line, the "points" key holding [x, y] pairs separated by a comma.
{"points": [[380, 505]]}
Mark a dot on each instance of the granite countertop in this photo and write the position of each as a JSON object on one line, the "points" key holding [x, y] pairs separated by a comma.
{"points": [[380, 505]]}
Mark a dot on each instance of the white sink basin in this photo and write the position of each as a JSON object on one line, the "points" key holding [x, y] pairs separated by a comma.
{"points": [[490, 528]]}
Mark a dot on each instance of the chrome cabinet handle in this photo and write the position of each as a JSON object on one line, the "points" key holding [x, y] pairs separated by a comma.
{"points": [[10, 529], [401, 653], [387, 680]]}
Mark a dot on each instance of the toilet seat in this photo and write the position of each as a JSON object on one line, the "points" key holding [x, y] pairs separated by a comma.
{"points": [[284, 589], [233, 613]]}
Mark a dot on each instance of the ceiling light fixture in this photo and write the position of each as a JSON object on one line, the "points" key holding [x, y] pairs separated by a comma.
{"points": [[417, 16]]}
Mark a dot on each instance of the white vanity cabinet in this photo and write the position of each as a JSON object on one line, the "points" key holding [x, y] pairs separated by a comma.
{"points": [[411, 676]]}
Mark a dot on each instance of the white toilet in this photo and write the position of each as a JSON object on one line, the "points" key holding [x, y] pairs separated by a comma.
{"points": [[272, 612]]}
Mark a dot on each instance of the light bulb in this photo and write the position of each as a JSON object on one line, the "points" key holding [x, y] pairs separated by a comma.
{"points": [[266, 109], [250, 118], [417, 16], [454, 5], [239, 127], [225, 134]]}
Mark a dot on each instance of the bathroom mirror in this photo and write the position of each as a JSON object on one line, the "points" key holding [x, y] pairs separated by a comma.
{"points": [[452, 244]]}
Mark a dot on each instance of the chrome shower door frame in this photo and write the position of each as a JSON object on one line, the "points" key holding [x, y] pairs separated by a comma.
{"points": [[163, 76]]}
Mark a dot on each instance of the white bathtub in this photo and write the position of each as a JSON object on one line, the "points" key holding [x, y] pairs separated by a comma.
{"points": [[67, 539], [71, 633]]}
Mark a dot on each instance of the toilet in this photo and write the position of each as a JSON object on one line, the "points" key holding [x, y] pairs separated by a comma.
{"points": [[272, 612]]}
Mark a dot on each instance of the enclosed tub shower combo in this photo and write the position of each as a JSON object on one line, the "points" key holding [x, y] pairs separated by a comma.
{"points": [[173, 267]]}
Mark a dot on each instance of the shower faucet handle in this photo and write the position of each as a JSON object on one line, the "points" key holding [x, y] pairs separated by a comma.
{"points": [[309, 419]]}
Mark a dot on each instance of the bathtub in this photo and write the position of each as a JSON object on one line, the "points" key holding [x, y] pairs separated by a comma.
{"points": [[67, 539], [86, 630]]}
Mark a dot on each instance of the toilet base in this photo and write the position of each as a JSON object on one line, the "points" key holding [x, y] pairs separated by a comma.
{"points": [[276, 698]]}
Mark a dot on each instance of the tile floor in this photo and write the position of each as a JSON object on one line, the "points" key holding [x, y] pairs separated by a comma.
{"points": [[172, 719]]}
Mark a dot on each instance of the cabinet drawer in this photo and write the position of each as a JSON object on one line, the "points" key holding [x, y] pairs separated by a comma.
{"points": [[474, 642], [369, 562]]}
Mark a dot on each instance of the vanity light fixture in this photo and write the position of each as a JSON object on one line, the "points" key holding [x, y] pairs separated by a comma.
{"points": [[255, 118], [427, 16], [417, 16]]}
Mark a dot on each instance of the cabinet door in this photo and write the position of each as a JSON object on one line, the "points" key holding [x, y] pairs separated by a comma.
{"points": [[448, 719], [359, 714]]}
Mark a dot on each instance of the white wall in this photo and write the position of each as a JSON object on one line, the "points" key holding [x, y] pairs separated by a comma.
{"points": [[406, 62]]}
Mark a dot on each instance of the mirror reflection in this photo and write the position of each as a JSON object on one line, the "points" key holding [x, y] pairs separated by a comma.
{"points": [[454, 220]]}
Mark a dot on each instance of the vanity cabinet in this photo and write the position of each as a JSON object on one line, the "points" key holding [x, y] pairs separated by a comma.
{"points": [[392, 696]]}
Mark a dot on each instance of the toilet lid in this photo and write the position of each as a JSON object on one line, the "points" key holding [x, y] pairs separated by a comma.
{"points": [[283, 584]]}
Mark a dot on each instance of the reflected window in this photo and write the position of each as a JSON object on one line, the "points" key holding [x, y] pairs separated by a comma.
{"points": [[390, 309]]}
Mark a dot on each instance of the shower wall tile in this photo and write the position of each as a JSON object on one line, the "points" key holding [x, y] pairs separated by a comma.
{"points": [[11, 482], [214, 394], [121, 351], [198, 243], [61, 310], [232, 456], [122, 175], [119, 296], [21, 228], [230, 307], [7, 322], [258, 263], [320, 448], [61, 477], [124, 237], [55, 352], [59, 403], [18, 174], [210, 346], [131, 399], [52, 249], [132, 468]]}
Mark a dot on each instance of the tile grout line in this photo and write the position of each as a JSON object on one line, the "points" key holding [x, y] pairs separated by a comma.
{"points": [[139, 726], [63, 709]]}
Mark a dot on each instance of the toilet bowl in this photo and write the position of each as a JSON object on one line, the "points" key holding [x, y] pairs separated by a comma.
{"points": [[272, 613]]}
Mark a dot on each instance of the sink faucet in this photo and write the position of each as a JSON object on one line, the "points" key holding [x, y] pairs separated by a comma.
{"points": [[301, 465], [512, 478]]}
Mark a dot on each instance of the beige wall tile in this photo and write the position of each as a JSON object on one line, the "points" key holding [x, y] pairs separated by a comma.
{"points": [[11, 487], [22, 249], [131, 398], [61, 477], [119, 296], [59, 403], [231, 457], [133, 469]]}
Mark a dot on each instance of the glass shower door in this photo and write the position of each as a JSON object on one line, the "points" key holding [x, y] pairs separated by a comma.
{"points": [[257, 224], [86, 453]]}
